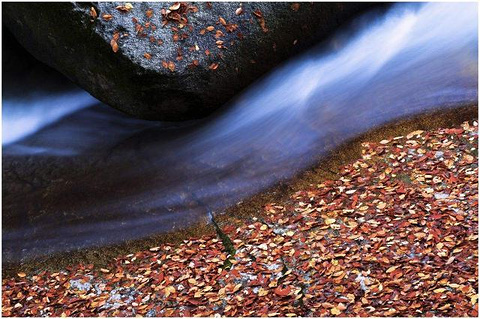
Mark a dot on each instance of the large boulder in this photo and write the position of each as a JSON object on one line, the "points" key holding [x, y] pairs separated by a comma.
{"points": [[170, 61]]}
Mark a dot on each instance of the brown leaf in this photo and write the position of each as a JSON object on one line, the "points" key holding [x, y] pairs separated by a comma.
{"points": [[107, 17], [261, 21], [114, 45], [283, 291], [149, 13], [93, 13]]}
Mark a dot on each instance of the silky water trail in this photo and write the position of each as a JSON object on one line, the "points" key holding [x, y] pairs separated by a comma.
{"points": [[78, 174]]}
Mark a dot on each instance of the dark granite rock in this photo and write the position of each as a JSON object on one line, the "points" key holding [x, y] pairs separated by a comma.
{"points": [[138, 80]]}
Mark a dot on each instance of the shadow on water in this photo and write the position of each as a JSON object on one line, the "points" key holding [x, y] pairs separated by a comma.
{"points": [[92, 176]]}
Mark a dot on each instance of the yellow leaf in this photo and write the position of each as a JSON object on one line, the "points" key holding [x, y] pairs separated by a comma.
{"points": [[389, 270], [420, 235], [351, 298], [329, 221], [238, 286], [411, 134], [335, 311], [262, 292], [169, 290], [446, 306]]}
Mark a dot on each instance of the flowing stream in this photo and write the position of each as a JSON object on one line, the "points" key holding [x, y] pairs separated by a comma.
{"points": [[78, 174]]}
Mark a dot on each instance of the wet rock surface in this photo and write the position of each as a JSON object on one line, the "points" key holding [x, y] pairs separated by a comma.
{"points": [[161, 61]]}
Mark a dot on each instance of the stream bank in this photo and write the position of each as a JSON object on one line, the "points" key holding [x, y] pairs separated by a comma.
{"points": [[253, 207], [393, 234]]}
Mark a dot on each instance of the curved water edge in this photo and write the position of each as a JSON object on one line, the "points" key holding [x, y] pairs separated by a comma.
{"points": [[324, 169], [96, 177]]}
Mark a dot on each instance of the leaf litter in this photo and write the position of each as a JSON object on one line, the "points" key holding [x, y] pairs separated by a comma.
{"points": [[377, 241]]}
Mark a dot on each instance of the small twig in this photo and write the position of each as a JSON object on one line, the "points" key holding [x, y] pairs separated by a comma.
{"points": [[226, 241]]}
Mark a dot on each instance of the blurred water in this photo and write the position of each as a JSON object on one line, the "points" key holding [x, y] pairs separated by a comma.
{"points": [[96, 177], [26, 115]]}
